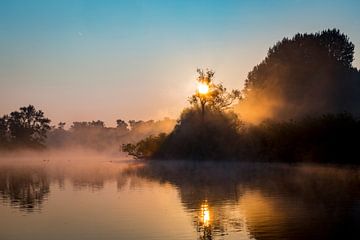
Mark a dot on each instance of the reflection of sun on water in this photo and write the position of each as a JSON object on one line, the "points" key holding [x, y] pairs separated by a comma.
{"points": [[205, 214], [204, 224]]}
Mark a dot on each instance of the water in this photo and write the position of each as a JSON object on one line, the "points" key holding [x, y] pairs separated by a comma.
{"points": [[109, 199]]}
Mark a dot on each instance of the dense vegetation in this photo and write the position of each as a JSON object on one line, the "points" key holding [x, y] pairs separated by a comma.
{"points": [[315, 93], [95, 135], [328, 138], [26, 128], [306, 94], [309, 74]]}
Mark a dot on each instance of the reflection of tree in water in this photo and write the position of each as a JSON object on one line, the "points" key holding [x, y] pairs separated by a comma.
{"points": [[268, 200], [93, 180], [25, 188], [92, 176]]}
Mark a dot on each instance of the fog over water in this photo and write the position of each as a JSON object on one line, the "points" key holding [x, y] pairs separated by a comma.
{"points": [[94, 196]]}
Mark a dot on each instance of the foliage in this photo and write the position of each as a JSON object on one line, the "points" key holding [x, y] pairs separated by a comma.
{"points": [[328, 138], [121, 124], [307, 74], [146, 147], [96, 136], [194, 137], [24, 128], [197, 135], [218, 98]]}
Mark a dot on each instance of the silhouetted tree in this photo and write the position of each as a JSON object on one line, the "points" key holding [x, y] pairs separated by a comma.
{"points": [[25, 128], [85, 125], [146, 147], [217, 97], [134, 124], [195, 136], [121, 124], [61, 125], [307, 74], [4, 132], [214, 137], [97, 124]]}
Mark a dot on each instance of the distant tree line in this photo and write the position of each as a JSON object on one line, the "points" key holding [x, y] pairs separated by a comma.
{"points": [[96, 136], [28, 128]]}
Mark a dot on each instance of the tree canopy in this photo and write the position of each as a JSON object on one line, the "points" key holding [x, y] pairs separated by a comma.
{"points": [[197, 135], [217, 98], [304, 75], [24, 128]]}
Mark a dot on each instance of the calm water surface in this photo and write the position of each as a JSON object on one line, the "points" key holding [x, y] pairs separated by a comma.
{"points": [[108, 199]]}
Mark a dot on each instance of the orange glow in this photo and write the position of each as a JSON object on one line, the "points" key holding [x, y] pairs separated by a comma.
{"points": [[203, 88], [205, 214]]}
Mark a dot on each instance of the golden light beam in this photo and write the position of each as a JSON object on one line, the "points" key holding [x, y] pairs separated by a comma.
{"points": [[203, 88]]}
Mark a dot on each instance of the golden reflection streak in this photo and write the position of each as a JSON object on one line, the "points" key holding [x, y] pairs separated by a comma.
{"points": [[205, 214], [205, 221]]}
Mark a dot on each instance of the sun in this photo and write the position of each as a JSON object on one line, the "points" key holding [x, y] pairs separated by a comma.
{"points": [[203, 88]]}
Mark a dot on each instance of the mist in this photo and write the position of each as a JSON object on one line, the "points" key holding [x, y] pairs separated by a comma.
{"points": [[95, 136]]}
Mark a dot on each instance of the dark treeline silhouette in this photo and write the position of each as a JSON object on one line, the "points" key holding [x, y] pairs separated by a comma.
{"points": [[214, 136], [317, 94], [300, 104], [328, 138], [202, 129], [309, 74], [26, 128]]}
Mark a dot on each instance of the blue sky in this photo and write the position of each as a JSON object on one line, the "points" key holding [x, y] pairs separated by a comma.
{"points": [[89, 60]]}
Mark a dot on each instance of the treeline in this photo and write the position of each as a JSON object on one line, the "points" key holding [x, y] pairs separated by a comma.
{"points": [[96, 136], [330, 138], [299, 104], [28, 128]]}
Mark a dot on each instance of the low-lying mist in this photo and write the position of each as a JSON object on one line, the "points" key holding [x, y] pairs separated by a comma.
{"points": [[96, 137]]}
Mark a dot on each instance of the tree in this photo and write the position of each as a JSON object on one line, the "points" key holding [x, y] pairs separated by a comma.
{"points": [[4, 131], [121, 124], [194, 136], [87, 125], [26, 128], [304, 75], [213, 96], [61, 125], [146, 147]]}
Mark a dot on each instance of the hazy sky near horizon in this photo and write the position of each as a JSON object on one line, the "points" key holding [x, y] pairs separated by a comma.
{"points": [[89, 60]]}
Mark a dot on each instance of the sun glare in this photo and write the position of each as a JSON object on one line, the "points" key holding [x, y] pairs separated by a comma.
{"points": [[203, 88], [205, 214]]}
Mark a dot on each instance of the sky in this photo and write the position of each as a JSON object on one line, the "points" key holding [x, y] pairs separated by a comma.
{"points": [[106, 60]]}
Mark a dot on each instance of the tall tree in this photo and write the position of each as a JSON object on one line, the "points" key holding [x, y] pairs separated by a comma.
{"points": [[307, 74], [27, 127], [211, 95]]}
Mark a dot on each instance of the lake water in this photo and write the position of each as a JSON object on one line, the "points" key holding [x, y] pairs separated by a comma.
{"points": [[109, 199]]}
